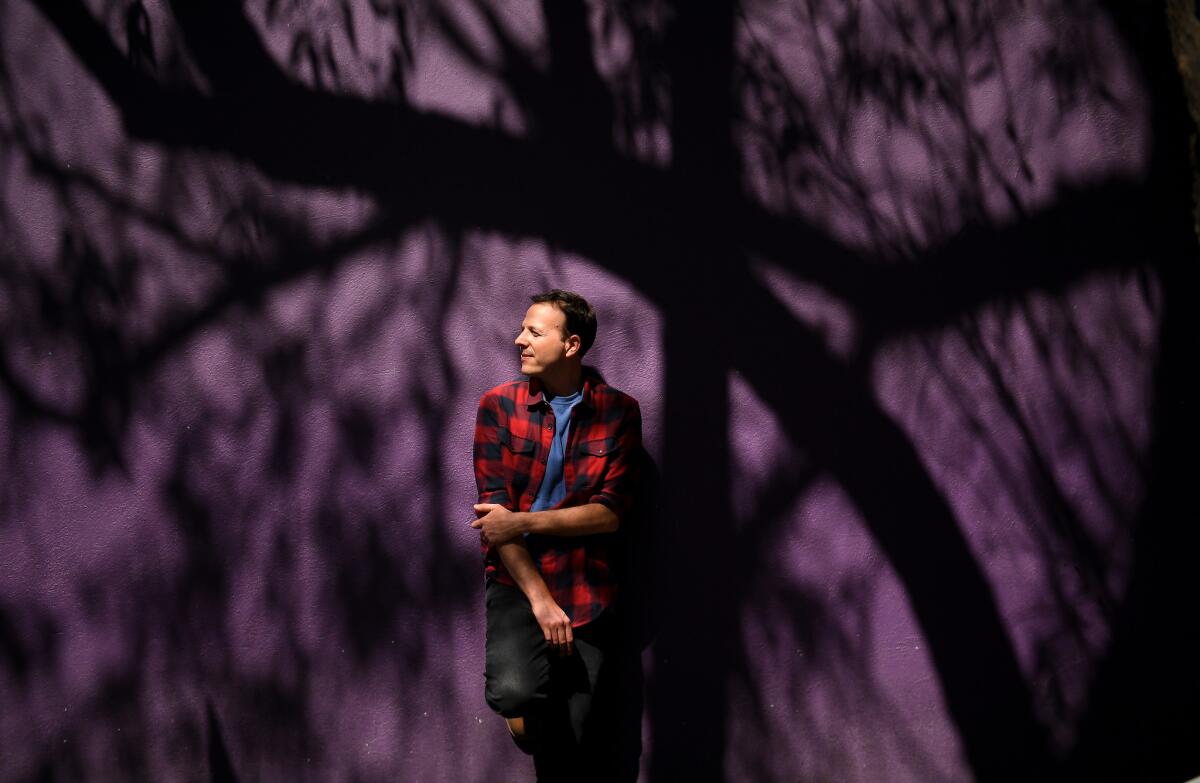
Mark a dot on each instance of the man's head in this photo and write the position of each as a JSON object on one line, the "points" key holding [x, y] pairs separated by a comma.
{"points": [[559, 328]]}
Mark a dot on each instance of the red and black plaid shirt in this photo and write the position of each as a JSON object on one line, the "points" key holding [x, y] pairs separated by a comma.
{"points": [[513, 431]]}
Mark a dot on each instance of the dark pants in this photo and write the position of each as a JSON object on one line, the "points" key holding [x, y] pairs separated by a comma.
{"points": [[555, 694]]}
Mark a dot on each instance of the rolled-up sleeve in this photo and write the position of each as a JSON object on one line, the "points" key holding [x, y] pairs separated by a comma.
{"points": [[489, 468], [621, 475]]}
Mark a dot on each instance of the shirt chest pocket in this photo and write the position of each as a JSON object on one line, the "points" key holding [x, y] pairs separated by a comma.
{"points": [[516, 456], [592, 458], [600, 447], [515, 451]]}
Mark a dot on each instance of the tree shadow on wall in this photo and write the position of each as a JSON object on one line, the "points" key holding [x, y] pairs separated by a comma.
{"points": [[750, 153]]}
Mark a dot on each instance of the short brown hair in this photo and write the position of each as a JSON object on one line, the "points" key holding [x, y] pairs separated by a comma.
{"points": [[581, 316]]}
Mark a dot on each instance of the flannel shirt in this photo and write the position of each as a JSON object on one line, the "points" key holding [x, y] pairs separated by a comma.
{"points": [[513, 432]]}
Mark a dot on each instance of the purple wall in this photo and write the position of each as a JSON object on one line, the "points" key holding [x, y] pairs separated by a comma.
{"points": [[898, 284]]}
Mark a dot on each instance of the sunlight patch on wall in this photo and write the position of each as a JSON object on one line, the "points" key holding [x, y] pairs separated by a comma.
{"points": [[1032, 419], [837, 683]]}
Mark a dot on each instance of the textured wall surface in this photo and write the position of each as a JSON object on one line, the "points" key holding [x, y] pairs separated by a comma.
{"points": [[903, 288]]}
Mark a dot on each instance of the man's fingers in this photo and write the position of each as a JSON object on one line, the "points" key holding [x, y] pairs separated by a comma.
{"points": [[562, 637], [483, 508], [558, 632]]}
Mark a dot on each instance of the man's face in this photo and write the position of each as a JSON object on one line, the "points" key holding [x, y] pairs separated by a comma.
{"points": [[543, 340]]}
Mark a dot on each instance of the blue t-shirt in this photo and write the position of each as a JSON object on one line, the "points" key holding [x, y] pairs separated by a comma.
{"points": [[554, 488]]}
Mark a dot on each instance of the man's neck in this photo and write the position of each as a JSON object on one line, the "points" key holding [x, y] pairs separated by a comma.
{"points": [[565, 385]]}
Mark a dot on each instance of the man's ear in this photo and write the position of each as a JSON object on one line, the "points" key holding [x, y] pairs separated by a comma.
{"points": [[573, 345]]}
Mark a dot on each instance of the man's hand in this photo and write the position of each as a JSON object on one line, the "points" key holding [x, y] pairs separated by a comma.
{"points": [[555, 624], [497, 523]]}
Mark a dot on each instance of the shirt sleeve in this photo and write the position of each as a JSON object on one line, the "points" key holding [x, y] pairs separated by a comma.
{"points": [[620, 479], [490, 480]]}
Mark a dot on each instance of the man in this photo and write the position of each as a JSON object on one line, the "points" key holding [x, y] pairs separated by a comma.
{"points": [[555, 464]]}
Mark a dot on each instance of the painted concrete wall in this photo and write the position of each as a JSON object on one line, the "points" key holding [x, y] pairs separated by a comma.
{"points": [[890, 280]]}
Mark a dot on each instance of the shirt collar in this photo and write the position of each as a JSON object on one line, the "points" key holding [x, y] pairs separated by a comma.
{"points": [[536, 397]]}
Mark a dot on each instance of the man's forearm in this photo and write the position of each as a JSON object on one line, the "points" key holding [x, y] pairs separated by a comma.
{"points": [[519, 564], [584, 520]]}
